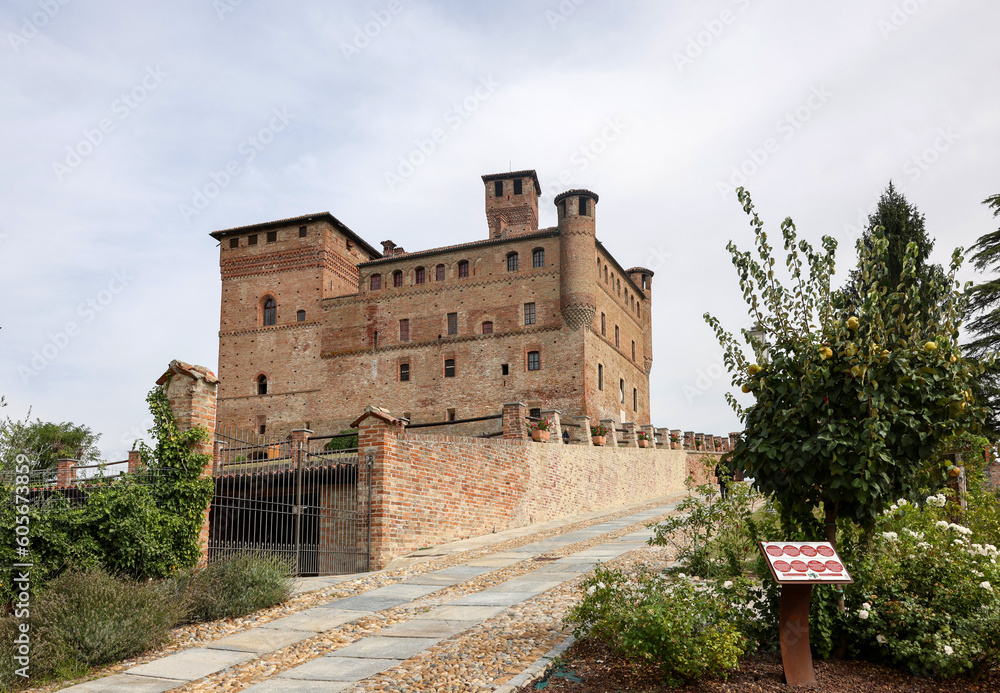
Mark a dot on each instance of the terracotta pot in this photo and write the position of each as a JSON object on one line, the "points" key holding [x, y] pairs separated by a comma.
{"points": [[540, 436], [675, 446], [599, 440], [643, 443]]}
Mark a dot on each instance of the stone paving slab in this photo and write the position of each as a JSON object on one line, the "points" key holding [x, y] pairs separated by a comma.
{"points": [[494, 562], [493, 597], [339, 669], [380, 647], [427, 628], [461, 613], [402, 591], [536, 586], [313, 620], [192, 664], [464, 571], [298, 686], [439, 580], [260, 640], [125, 683], [365, 602]]}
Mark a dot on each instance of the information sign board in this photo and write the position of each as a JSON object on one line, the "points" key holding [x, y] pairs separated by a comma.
{"points": [[805, 562]]}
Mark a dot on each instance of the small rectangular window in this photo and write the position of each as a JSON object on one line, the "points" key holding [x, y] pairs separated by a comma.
{"points": [[439, 273], [512, 262], [618, 342], [300, 316], [633, 350], [302, 232], [463, 268], [529, 313], [518, 186], [452, 323], [538, 257], [604, 325], [420, 275], [505, 369], [234, 242], [488, 327], [451, 414], [404, 372], [583, 206], [621, 391], [252, 239], [498, 188], [449, 368], [600, 377], [404, 330], [272, 236], [535, 413], [534, 361], [635, 399]]}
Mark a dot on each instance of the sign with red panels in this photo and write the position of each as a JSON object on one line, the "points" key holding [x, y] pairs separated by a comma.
{"points": [[808, 562]]}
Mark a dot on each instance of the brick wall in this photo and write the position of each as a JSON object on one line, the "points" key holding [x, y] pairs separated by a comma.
{"points": [[429, 489]]}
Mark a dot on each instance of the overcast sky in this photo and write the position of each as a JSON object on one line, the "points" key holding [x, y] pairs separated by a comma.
{"points": [[120, 120]]}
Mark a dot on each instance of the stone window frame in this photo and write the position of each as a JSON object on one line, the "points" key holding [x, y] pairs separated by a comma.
{"points": [[536, 361]]}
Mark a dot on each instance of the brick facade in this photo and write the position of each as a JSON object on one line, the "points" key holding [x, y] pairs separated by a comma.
{"points": [[353, 326]]}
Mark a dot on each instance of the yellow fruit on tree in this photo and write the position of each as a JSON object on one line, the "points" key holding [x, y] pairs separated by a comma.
{"points": [[930, 346], [852, 323], [745, 388], [826, 353], [953, 359], [754, 369]]}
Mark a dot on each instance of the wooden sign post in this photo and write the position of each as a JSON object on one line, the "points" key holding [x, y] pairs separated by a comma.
{"points": [[797, 566]]}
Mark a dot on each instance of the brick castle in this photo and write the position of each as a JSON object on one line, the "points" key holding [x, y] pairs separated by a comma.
{"points": [[317, 324]]}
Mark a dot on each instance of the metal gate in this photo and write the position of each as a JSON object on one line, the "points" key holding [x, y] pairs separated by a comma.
{"points": [[301, 501]]}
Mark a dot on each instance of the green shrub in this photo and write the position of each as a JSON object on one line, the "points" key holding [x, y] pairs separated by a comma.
{"points": [[348, 442], [89, 618], [235, 585], [927, 594], [683, 626]]}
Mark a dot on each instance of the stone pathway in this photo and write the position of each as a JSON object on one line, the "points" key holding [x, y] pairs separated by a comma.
{"points": [[469, 626]]}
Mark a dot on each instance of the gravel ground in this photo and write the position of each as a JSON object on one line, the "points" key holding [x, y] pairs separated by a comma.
{"points": [[263, 668]]}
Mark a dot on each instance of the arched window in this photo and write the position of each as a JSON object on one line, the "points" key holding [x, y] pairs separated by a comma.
{"points": [[538, 257], [621, 391], [270, 311], [512, 262], [605, 274], [397, 279], [300, 316], [420, 275], [619, 290], [631, 301], [598, 268], [439, 273], [262, 384], [617, 337], [463, 268], [375, 282]]}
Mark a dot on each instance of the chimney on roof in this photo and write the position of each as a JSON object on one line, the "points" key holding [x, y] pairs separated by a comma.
{"points": [[388, 248]]}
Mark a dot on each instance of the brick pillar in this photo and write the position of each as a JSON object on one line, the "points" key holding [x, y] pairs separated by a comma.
{"points": [[689, 440], [134, 461], [65, 473], [555, 420], [612, 427], [651, 432], [191, 391], [709, 442], [631, 439], [514, 414], [680, 438], [299, 441], [734, 438], [583, 430], [376, 438]]}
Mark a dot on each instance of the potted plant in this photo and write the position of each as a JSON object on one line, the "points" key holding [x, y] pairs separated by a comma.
{"points": [[675, 441], [698, 443], [540, 431], [718, 445], [643, 439], [599, 434]]}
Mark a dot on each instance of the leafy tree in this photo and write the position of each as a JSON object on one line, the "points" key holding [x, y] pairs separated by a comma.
{"points": [[846, 411], [901, 224], [985, 327], [45, 442]]}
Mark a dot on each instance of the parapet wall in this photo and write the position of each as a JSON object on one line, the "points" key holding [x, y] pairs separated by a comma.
{"points": [[429, 489]]}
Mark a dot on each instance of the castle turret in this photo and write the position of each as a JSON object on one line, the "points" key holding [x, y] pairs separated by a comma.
{"points": [[512, 202], [643, 278], [577, 212]]}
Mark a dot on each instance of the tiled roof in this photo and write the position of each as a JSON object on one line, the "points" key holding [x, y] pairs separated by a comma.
{"points": [[218, 235]]}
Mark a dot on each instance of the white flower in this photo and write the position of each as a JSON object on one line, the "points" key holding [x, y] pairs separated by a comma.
{"points": [[591, 589], [681, 575], [863, 614], [985, 584], [891, 536], [937, 501], [881, 639], [948, 650], [923, 545], [959, 528], [866, 606], [942, 524], [901, 502], [601, 585], [727, 584]]}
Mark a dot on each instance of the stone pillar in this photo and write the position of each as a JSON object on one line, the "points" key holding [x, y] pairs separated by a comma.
{"points": [[612, 427], [631, 439], [651, 432], [689, 440], [134, 461], [555, 425], [699, 438], [514, 414], [680, 438], [191, 391], [583, 430], [65, 473]]}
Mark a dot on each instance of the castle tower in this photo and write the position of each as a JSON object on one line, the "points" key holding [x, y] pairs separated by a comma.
{"points": [[512, 202], [643, 278], [577, 212]]}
